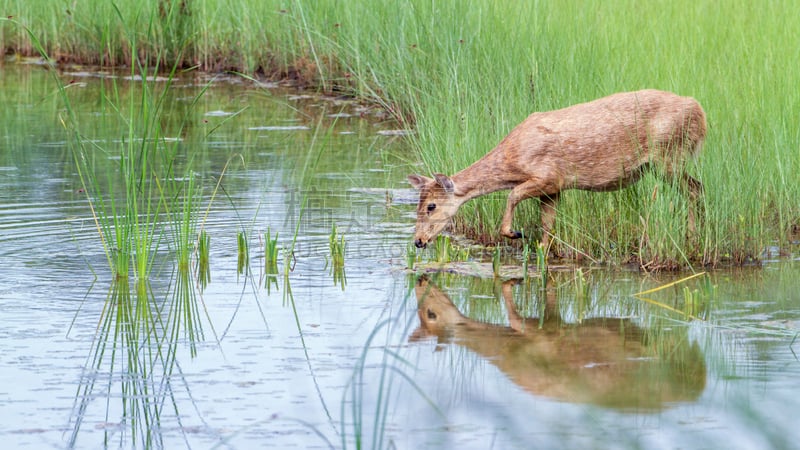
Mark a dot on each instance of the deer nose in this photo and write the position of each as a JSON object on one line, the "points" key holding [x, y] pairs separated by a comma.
{"points": [[419, 244]]}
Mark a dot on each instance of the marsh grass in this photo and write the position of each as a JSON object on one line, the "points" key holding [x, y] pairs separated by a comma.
{"points": [[412, 256], [203, 260], [448, 250], [497, 261], [270, 259], [242, 254], [337, 248], [444, 70], [541, 264], [526, 256]]}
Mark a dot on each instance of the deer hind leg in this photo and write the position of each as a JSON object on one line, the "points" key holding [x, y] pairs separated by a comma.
{"points": [[528, 189], [694, 189]]}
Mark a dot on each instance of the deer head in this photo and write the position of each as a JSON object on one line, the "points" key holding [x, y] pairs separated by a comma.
{"points": [[438, 203]]}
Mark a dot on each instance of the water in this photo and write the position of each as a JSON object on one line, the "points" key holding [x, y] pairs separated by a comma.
{"points": [[448, 361]]}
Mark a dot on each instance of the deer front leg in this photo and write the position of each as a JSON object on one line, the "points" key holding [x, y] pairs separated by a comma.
{"points": [[525, 190], [548, 213]]}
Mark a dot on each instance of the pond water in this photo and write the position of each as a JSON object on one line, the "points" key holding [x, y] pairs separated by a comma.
{"points": [[374, 357]]}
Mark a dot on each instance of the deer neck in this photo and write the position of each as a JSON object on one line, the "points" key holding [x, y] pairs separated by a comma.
{"points": [[487, 175]]}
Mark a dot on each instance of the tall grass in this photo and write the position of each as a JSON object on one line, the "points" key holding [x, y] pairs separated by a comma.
{"points": [[465, 73]]}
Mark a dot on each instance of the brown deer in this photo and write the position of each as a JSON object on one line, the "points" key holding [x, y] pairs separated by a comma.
{"points": [[603, 145], [603, 361]]}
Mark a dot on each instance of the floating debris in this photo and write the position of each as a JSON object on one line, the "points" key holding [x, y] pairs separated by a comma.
{"points": [[394, 132], [140, 78], [280, 128], [481, 269], [218, 113]]}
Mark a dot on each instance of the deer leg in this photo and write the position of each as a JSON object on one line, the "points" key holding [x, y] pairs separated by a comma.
{"points": [[525, 190], [548, 213], [515, 320], [690, 187], [693, 189]]}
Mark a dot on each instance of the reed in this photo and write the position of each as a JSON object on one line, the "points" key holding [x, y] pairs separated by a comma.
{"points": [[541, 264], [337, 247], [412, 257], [242, 254], [496, 261], [203, 260], [270, 259], [526, 256]]}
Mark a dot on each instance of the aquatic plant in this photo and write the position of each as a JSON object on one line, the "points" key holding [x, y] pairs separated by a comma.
{"points": [[447, 250], [411, 256], [526, 255], [270, 259], [496, 261], [541, 264], [242, 254], [337, 246], [203, 260]]}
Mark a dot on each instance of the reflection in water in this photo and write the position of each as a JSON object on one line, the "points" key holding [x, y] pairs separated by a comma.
{"points": [[132, 366], [604, 361]]}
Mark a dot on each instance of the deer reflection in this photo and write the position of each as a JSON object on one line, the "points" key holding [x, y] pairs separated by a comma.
{"points": [[603, 361]]}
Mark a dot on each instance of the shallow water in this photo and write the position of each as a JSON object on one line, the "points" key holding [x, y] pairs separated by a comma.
{"points": [[445, 361]]}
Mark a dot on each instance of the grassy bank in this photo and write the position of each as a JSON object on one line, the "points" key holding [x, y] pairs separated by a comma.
{"points": [[466, 72]]}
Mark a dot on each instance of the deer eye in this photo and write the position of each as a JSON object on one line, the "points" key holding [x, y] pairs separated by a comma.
{"points": [[431, 207]]}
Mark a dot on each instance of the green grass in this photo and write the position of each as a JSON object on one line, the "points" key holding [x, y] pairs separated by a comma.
{"points": [[242, 254], [270, 260], [464, 76], [337, 248], [203, 260]]}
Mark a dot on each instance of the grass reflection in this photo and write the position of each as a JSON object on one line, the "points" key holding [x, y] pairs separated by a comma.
{"points": [[133, 358]]}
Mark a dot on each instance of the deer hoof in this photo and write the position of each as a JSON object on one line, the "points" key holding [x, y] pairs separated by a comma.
{"points": [[514, 235]]}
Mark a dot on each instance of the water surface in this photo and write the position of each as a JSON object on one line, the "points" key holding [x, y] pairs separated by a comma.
{"points": [[388, 359]]}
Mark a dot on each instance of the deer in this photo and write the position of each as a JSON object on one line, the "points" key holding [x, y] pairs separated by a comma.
{"points": [[603, 361], [602, 145]]}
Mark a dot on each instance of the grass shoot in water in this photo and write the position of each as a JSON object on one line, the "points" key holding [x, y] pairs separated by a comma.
{"points": [[526, 256], [337, 247], [541, 263], [242, 254], [270, 259], [411, 256], [203, 260], [496, 261], [448, 251]]}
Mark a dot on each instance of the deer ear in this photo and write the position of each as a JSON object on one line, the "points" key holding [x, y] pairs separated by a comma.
{"points": [[445, 182], [418, 181]]}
